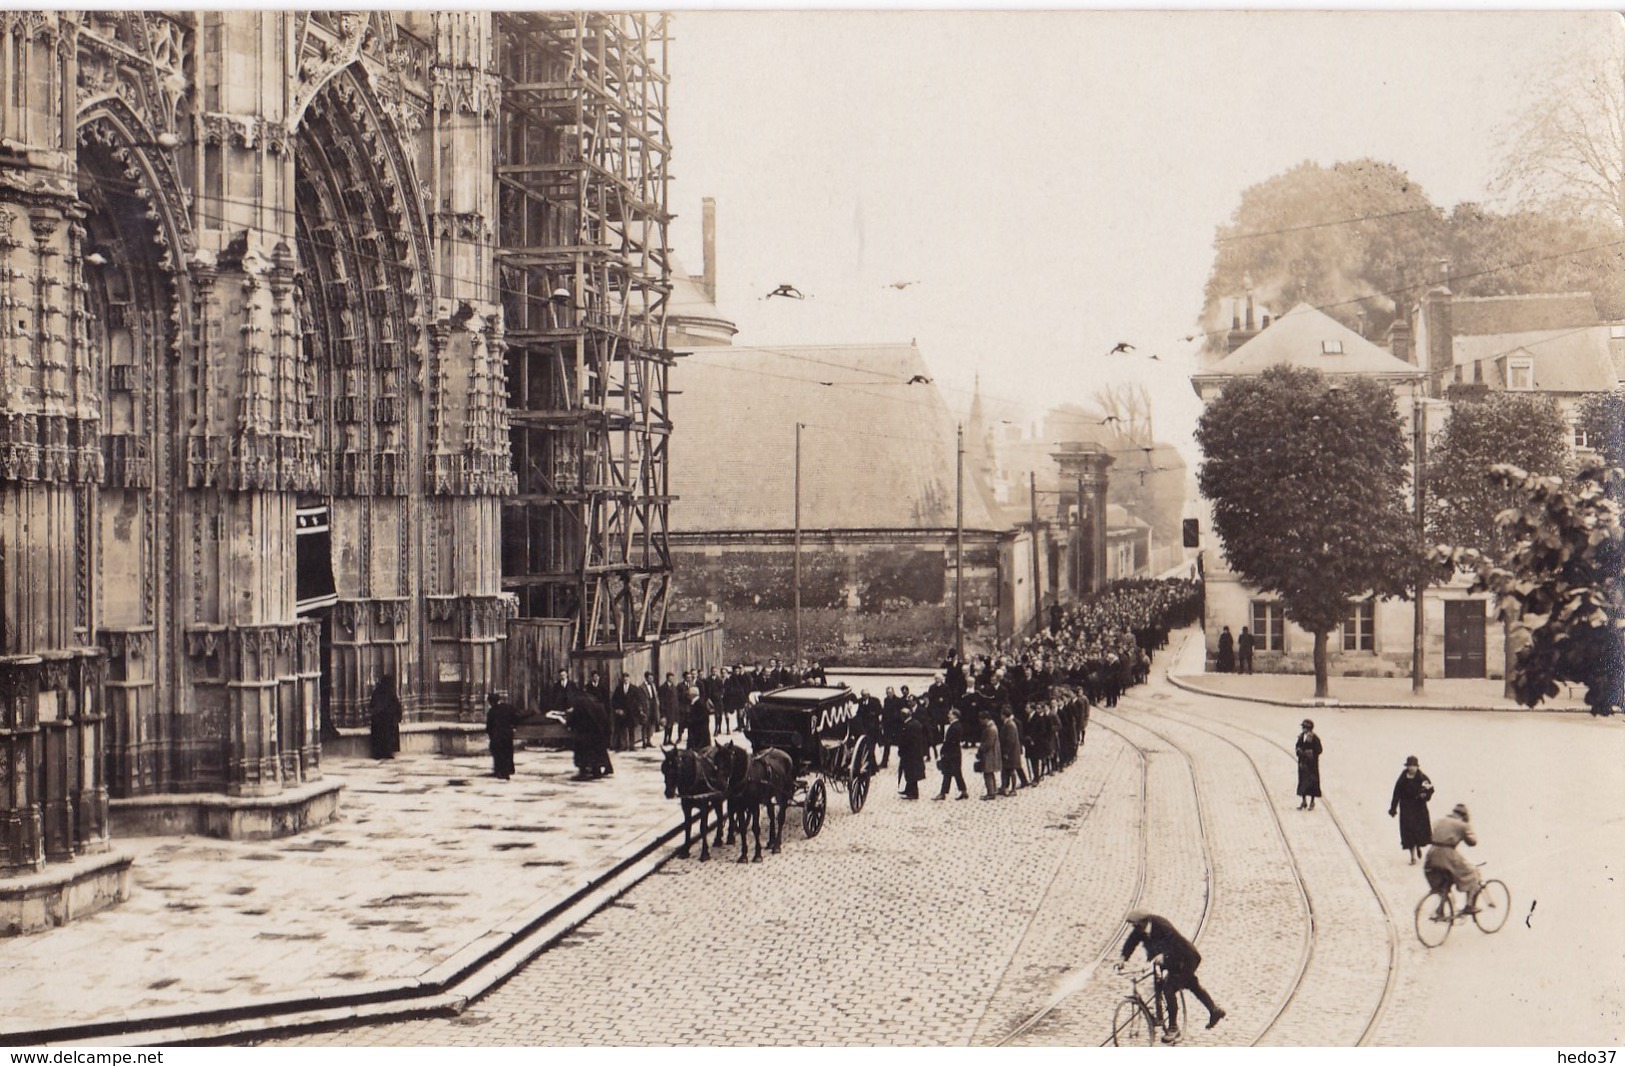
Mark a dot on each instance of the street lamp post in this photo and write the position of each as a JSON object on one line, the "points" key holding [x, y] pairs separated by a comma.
{"points": [[1419, 446], [797, 552], [959, 545]]}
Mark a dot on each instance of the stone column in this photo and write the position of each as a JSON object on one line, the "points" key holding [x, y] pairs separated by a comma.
{"points": [[22, 845], [1085, 464]]}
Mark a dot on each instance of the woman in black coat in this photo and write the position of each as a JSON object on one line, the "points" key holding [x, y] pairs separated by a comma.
{"points": [[1308, 766], [1411, 794]]}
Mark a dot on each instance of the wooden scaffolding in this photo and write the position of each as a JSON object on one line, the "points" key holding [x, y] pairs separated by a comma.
{"points": [[583, 243]]}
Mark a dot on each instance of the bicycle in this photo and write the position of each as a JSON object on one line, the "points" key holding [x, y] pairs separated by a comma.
{"points": [[1436, 912], [1137, 1020]]}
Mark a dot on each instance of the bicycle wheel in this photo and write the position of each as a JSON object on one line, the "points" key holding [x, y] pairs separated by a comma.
{"points": [[1435, 914], [1131, 1024], [1493, 905]]}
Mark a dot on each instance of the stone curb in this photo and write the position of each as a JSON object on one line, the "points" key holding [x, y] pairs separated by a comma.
{"points": [[448, 988], [1201, 690]]}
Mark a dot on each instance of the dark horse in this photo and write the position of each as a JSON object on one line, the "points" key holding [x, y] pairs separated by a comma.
{"points": [[765, 778], [694, 779]]}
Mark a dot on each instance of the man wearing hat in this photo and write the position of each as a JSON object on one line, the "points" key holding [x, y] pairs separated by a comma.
{"points": [[1179, 962], [951, 759], [1445, 865]]}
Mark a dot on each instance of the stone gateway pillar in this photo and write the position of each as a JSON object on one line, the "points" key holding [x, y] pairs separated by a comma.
{"points": [[1083, 485]]}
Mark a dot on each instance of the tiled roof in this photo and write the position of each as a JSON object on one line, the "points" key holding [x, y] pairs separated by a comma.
{"points": [[876, 453], [1299, 338], [1478, 315], [1565, 360]]}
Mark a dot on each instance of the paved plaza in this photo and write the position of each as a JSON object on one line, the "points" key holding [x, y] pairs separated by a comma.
{"points": [[913, 922]]}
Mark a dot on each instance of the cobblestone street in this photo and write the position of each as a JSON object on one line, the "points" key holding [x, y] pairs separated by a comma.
{"points": [[955, 923]]}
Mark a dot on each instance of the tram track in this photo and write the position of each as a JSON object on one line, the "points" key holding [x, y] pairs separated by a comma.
{"points": [[1390, 927], [1074, 983]]}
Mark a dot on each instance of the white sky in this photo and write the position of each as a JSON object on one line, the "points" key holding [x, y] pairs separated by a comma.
{"points": [[1051, 181]]}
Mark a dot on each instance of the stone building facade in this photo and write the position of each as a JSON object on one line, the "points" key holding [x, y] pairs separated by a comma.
{"points": [[249, 289]]}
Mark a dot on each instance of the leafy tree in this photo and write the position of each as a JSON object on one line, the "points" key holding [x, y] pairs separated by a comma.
{"points": [[1463, 499], [1336, 237], [1307, 481], [1550, 249], [1602, 416], [1561, 583]]}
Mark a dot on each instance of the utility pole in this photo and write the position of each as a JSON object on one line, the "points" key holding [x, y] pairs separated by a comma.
{"points": [[797, 553], [1419, 452], [1038, 589], [1086, 538], [959, 545]]}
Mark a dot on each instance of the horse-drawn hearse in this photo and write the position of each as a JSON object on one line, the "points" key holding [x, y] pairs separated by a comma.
{"points": [[817, 727]]}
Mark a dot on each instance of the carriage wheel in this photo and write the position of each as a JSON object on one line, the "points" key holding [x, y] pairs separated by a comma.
{"points": [[857, 792], [863, 758], [813, 811]]}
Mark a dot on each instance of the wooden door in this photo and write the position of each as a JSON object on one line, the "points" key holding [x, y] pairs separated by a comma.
{"points": [[1464, 638]]}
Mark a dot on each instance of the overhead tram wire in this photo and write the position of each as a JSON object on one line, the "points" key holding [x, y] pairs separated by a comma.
{"points": [[364, 256]]}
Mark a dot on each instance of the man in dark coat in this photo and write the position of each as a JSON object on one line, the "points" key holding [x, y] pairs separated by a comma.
{"points": [[1179, 962], [1244, 651], [500, 719], [1227, 652], [561, 692], [648, 707], [669, 711], [699, 719], [891, 724], [951, 758], [620, 705], [384, 719], [911, 751], [589, 724]]}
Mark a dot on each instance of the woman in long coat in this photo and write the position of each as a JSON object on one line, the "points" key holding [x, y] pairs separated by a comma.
{"points": [[384, 718], [1411, 794], [1308, 766]]}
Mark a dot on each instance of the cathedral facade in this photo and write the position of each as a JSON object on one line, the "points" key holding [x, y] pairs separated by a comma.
{"points": [[253, 430]]}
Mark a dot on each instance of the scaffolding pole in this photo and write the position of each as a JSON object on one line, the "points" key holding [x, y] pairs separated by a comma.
{"points": [[582, 239]]}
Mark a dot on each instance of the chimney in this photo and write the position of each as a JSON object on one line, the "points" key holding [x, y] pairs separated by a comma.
{"points": [[1400, 340], [1438, 321], [1249, 312], [708, 240], [1238, 336], [1362, 317], [1235, 314], [1265, 323]]}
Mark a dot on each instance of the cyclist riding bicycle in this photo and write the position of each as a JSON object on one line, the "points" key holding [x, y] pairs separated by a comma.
{"points": [[1179, 962], [1444, 865]]}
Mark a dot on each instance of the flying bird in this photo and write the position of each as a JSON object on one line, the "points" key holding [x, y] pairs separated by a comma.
{"points": [[1109, 418], [1158, 358], [786, 290], [898, 284], [1122, 346], [1193, 336], [918, 379]]}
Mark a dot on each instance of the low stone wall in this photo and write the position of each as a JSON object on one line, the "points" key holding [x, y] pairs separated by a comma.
{"points": [[63, 892], [228, 817]]}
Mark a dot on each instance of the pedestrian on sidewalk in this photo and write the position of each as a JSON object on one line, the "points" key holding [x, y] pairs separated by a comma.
{"points": [[989, 760], [1227, 652], [1244, 651], [648, 704], [620, 705], [500, 719], [1308, 749], [1179, 962], [699, 719], [1410, 802], [951, 759], [384, 719], [669, 713]]}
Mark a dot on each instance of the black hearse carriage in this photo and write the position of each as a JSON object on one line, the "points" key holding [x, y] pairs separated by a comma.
{"points": [[817, 726]]}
